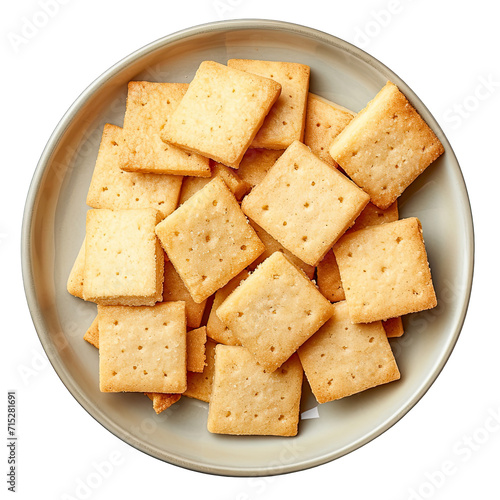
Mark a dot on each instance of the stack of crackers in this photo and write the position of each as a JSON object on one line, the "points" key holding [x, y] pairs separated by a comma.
{"points": [[244, 231]]}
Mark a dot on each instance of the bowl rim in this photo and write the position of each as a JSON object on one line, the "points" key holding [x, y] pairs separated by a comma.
{"points": [[44, 162]]}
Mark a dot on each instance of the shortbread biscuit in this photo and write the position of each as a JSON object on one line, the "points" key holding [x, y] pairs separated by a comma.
{"points": [[143, 349], [199, 385], [329, 281], [384, 271], [76, 275], [216, 329], [304, 203], [256, 163], [196, 340], [149, 107], [386, 146], [221, 112], [274, 311], [324, 121], [208, 240], [274, 246], [286, 120], [174, 290], [123, 258], [238, 187], [393, 327], [248, 400], [115, 189], [342, 359]]}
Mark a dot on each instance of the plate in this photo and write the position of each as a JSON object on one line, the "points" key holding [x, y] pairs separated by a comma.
{"points": [[54, 227]]}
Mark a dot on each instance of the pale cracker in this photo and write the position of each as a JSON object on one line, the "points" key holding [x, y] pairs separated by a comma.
{"points": [[208, 240], [386, 146], [342, 359], [221, 112], [304, 203], [324, 121], [216, 329], [199, 385], [143, 349], [248, 400], [162, 401], [123, 258], [92, 333], [115, 189], [384, 271], [174, 289], [149, 107], [286, 120], [76, 275], [238, 187], [274, 311], [256, 163], [329, 281], [196, 340]]}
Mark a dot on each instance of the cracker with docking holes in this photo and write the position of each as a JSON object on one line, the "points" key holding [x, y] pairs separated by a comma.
{"points": [[208, 240], [385, 272], [195, 344], [115, 189], [174, 290], [274, 311], [286, 120], [123, 258], [256, 164], [221, 112], [149, 107], [143, 349], [249, 400], [199, 385], [324, 121], [386, 146], [76, 275], [342, 359], [304, 203]]}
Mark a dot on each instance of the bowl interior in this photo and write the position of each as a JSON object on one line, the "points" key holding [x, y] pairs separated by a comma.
{"points": [[54, 228]]}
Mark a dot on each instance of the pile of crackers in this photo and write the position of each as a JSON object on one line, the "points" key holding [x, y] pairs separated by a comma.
{"points": [[244, 232]]}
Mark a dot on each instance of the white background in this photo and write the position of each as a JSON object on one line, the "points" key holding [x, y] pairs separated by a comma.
{"points": [[448, 52]]}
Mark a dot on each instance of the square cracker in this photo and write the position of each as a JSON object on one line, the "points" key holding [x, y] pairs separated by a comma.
{"points": [[143, 349], [216, 329], [386, 146], [274, 311], [304, 203], [92, 333], [343, 359], [393, 327], [238, 187], [149, 107], [285, 122], [221, 112], [76, 275], [123, 258], [248, 400], [329, 281], [256, 163], [208, 240], [196, 340], [384, 271], [199, 385], [324, 121], [274, 246], [174, 289], [115, 189]]}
